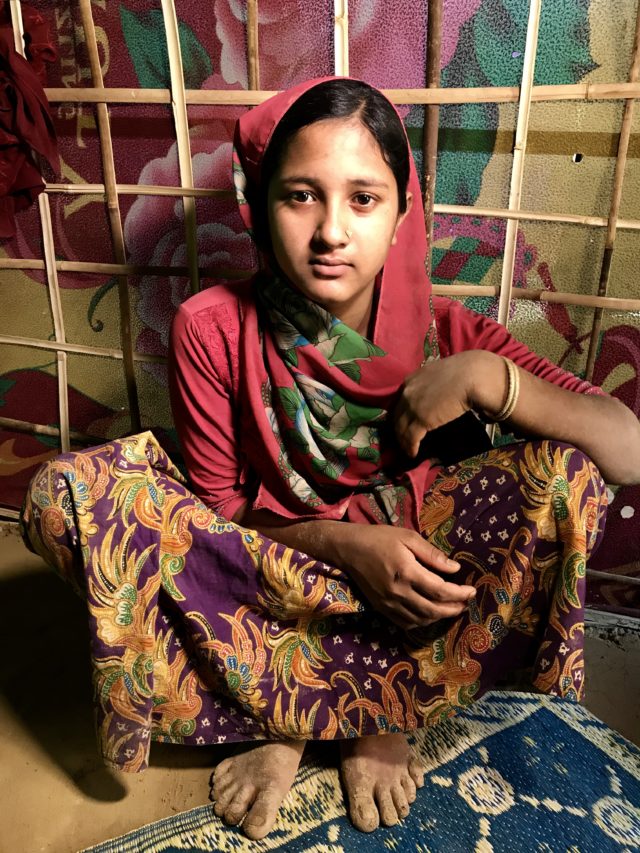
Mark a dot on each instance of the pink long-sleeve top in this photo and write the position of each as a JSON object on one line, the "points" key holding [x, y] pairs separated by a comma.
{"points": [[205, 386]]}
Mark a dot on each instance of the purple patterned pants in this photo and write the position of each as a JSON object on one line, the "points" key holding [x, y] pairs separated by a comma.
{"points": [[204, 632]]}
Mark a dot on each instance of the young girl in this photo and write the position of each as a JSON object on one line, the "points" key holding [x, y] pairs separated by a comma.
{"points": [[328, 577]]}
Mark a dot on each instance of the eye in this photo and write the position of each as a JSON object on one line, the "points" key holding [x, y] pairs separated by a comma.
{"points": [[300, 196], [364, 200]]}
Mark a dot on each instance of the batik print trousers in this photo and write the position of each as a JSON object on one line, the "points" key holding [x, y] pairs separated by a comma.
{"points": [[204, 632]]}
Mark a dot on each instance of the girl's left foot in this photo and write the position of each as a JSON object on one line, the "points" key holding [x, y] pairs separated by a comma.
{"points": [[380, 775]]}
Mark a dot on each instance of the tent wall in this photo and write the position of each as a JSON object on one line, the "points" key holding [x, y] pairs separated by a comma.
{"points": [[537, 192]]}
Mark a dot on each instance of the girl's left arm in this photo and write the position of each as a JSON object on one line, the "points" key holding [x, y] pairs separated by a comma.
{"points": [[601, 426]]}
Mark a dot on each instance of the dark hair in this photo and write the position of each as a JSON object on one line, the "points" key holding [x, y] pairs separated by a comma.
{"points": [[340, 98]]}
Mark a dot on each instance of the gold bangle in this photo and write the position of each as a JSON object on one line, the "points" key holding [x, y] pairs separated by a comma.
{"points": [[513, 391]]}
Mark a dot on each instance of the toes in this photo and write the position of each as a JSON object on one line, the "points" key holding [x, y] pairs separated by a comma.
{"points": [[239, 805], [416, 771], [400, 800], [222, 795], [409, 787], [262, 814], [386, 807], [363, 812], [221, 770]]}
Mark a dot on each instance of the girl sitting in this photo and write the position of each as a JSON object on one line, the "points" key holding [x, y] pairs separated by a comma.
{"points": [[349, 561]]}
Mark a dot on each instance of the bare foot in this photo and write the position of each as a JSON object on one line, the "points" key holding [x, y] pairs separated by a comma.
{"points": [[380, 775], [254, 783]]}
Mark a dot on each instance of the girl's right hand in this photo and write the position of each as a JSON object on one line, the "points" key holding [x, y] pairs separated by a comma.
{"points": [[399, 573]]}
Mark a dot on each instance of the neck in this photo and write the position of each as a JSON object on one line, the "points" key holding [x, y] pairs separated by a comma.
{"points": [[358, 314]]}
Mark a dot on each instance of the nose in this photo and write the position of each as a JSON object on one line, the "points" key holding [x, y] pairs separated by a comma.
{"points": [[331, 229]]}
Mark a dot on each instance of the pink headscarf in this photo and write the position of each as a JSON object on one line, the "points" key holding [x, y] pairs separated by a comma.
{"points": [[403, 327]]}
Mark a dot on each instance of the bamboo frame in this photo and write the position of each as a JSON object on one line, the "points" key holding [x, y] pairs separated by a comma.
{"points": [[466, 95], [180, 98], [113, 210], [517, 170], [341, 38], [179, 105], [616, 196], [431, 119], [50, 270]]}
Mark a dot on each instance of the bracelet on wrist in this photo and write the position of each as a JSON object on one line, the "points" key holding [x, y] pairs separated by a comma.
{"points": [[513, 391]]}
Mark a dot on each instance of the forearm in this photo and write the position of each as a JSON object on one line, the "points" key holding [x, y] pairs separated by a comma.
{"points": [[602, 427], [397, 571], [323, 539]]}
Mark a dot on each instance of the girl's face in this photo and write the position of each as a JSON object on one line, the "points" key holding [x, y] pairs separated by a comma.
{"points": [[333, 215]]}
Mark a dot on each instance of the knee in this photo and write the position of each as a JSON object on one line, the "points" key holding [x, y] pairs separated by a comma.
{"points": [[50, 479], [560, 461], [48, 494], [568, 482]]}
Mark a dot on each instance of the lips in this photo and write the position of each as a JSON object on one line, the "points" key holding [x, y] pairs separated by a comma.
{"points": [[328, 267]]}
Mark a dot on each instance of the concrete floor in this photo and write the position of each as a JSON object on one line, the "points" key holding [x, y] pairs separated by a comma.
{"points": [[55, 793]]}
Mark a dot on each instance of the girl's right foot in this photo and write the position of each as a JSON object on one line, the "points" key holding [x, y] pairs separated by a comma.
{"points": [[253, 784]]}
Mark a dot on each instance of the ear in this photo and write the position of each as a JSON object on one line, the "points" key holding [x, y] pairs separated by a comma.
{"points": [[401, 218]]}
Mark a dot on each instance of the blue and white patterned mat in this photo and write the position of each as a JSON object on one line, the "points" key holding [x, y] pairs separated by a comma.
{"points": [[515, 773]]}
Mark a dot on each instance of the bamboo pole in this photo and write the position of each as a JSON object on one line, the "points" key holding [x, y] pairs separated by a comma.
{"points": [[42, 429], [461, 95], [517, 170], [91, 267], [140, 189], [58, 320], [9, 514], [431, 119], [50, 270], [610, 303], [616, 196], [253, 45], [179, 105], [17, 26], [341, 38], [76, 349], [612, 576], [534, 216], [115, 219]]}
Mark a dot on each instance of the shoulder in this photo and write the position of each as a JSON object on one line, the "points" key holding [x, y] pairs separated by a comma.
{"points": [[207, 327], [214, 303], [460, 328]]}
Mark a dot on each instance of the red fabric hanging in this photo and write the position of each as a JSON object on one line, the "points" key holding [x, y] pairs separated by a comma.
{"points": [[26, 129]]}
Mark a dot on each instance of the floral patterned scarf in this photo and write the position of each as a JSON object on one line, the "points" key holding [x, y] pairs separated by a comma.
{"points": [[320, 438]]}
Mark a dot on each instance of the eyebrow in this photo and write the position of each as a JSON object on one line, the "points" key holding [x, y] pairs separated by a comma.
{"points": [[354, 182]]}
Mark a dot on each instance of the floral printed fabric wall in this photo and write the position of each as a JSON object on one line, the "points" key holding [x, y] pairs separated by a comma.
{"points": [[569, 166]]}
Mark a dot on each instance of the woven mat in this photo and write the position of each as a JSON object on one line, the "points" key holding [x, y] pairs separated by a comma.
{"points": [[515, 773]]}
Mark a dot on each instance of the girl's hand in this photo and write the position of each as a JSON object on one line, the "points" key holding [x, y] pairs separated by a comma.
{"points": [[443, 390], [392, 566]]}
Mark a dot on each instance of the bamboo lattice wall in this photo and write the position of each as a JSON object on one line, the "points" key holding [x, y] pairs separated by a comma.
{"points": [[179, 99]]}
